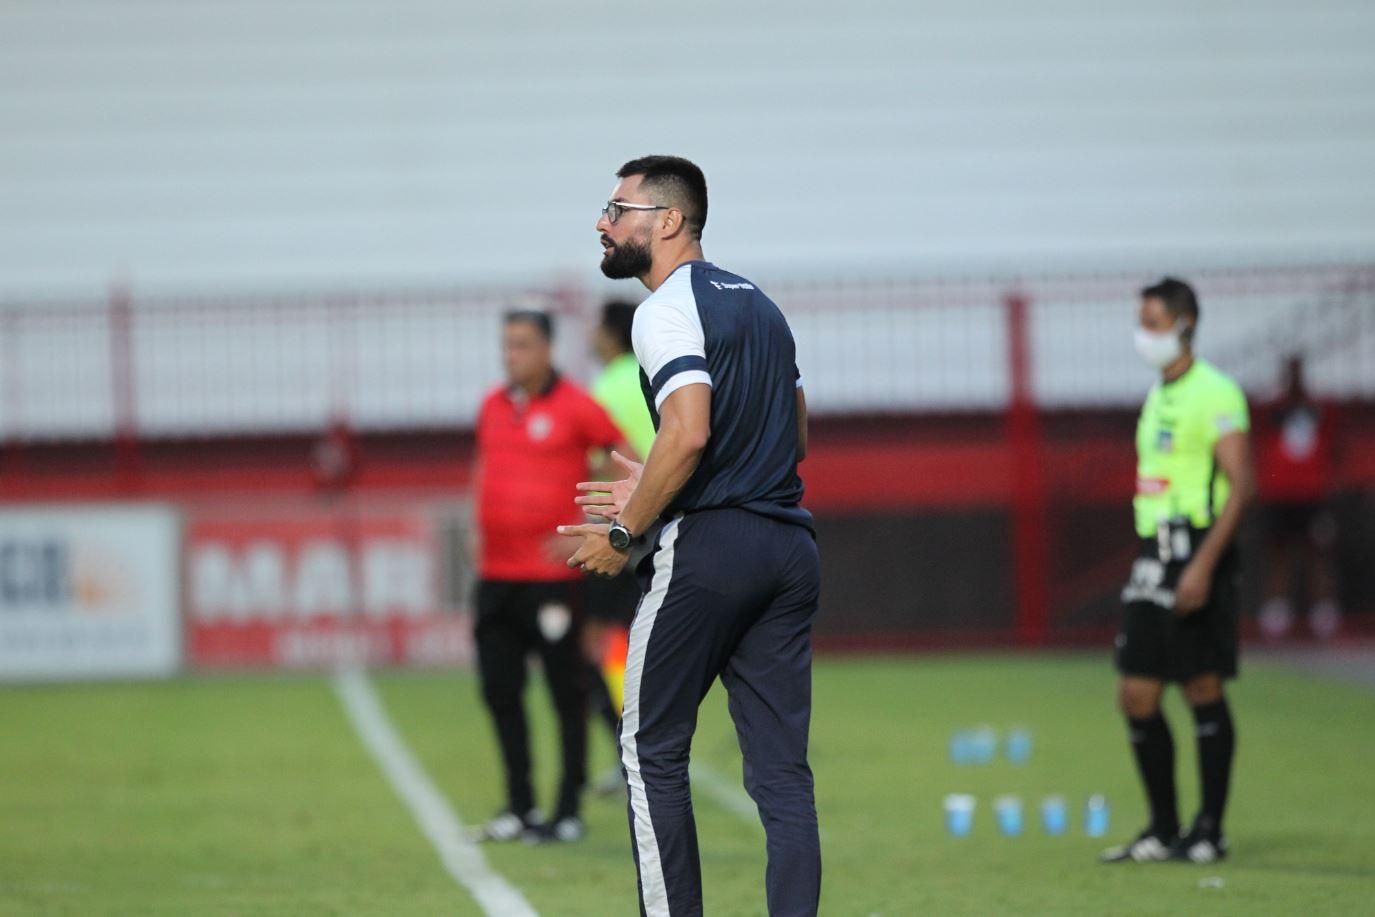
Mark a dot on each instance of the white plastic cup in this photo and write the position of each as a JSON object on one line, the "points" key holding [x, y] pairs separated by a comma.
{"points": [[959, 814]]}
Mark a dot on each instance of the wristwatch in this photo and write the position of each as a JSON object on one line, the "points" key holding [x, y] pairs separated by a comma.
{"points": [[619, 536]]}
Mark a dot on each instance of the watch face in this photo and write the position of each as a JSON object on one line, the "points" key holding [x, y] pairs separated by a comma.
{"points": [[619, 537]]}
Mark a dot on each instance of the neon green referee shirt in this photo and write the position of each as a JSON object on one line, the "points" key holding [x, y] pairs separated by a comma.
{"points": [[618, 390], [1176, 472]]}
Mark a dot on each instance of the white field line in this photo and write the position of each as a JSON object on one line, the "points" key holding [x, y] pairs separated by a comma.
{"points": [[431, 810]]}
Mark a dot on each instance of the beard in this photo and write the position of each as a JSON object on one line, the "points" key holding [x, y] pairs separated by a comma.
{"points": [[628, 259]]}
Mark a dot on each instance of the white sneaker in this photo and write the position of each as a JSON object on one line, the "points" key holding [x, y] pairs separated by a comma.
{"points": [[566, 830], [1147, 848], [508, 826], [1200, 847]]}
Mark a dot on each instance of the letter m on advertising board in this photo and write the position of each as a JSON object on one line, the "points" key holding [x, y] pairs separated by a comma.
{"points": [[309, 586]]}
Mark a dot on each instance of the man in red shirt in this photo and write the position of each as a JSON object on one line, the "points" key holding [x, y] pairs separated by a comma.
{"points": [[1297, 464], [534, 435]]}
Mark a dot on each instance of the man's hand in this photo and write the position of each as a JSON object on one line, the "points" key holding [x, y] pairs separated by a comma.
{"points": [[606, 499], [595, 554], [1191, 593], [556, 547]]}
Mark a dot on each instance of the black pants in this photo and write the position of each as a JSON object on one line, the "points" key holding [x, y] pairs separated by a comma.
{"points": [[729, 594], [515, 619]]}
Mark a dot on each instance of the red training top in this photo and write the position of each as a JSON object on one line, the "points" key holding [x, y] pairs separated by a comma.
{"points": [[1296, 457], [533, 451]]}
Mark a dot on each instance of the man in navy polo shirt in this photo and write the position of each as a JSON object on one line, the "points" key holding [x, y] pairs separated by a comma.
{"points": [[730, 571]]}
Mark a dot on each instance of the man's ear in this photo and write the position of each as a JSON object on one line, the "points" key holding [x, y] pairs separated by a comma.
{"points": [[672, 223]]}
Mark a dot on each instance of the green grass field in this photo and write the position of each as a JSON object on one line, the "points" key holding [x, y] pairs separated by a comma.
{"points": [[252, 796]]}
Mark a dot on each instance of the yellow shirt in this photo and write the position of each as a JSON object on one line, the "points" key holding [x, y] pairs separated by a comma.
{"points": [[1177, 475], [618, 390]]}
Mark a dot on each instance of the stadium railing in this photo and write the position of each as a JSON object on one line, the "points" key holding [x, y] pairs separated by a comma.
{"points": [[987, 419]]}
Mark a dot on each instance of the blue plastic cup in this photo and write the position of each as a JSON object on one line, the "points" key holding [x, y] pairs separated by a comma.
{"points": [[1054, 815], [1019, 745], [1008, 810], [1096, 816], [959, 814], [983, 744]]}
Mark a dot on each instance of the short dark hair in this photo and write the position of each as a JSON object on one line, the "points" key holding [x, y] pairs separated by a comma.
{"points": [[618, 318], [543, 321], [680, 182], [1177, 297]]}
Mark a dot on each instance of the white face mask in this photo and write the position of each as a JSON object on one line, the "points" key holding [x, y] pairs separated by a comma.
{"points": [[1159, 348]]}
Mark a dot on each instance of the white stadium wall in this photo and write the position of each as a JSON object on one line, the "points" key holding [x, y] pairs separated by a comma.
{"points": [[210, 146]]}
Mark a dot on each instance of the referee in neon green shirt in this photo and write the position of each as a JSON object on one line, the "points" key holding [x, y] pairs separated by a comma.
{"points": [[618, 387], [1194, 481]]}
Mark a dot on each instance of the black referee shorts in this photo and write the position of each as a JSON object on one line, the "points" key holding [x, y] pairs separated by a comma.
{"points": [[1154, 642]]}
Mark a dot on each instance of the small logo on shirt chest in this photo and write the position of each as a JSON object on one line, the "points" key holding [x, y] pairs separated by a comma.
{"points": [[539, 426], [1164, 440]]}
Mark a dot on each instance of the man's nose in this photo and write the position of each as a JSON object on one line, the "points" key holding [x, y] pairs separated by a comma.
{"points": [[603, 224]]}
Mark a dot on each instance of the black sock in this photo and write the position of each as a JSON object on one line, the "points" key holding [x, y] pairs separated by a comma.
{"points": [[1154, 749], [1216, 744]]}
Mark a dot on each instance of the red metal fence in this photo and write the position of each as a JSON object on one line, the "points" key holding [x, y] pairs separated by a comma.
{"points": [[982, 417]]}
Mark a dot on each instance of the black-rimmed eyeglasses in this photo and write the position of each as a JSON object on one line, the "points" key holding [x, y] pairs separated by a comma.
{"points": [[612, 210]]}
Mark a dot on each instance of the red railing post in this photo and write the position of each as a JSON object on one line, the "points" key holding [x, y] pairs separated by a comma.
{"points": [[128, 457], [1026, 441]]}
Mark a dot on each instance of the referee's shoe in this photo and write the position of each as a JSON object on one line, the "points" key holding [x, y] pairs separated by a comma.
{"points": [[1149, 847], [1202, 844]]}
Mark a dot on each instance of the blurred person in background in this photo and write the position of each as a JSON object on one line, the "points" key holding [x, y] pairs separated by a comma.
{"points": [[611, 602], [534, 436], [1296, 466], [1179, 624], [617, 388]]}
